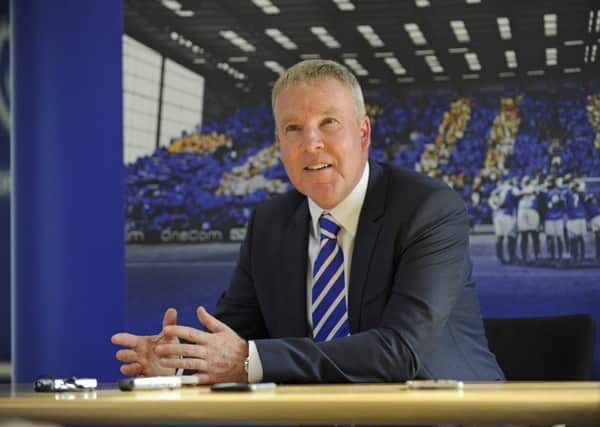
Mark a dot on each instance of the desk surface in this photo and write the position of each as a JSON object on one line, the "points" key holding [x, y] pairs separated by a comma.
{"points": [[528, 403]]}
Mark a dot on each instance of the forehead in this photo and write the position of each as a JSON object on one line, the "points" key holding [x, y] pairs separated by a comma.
{"points": [[325, 95]]}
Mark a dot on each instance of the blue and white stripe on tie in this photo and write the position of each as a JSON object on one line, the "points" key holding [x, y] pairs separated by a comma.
{"points": [[329, 310]]}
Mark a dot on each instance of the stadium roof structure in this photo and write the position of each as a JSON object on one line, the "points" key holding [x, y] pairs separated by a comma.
{"points": [[246, 43]]}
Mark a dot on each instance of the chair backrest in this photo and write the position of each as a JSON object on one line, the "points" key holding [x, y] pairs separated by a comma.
{"points": [[557, 348]]}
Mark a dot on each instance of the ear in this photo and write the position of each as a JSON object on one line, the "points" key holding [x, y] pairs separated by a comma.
{"points": [[365, 133], [277, 142]]}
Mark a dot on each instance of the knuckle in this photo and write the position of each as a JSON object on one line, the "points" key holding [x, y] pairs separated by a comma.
{"points": [[189, 363]]}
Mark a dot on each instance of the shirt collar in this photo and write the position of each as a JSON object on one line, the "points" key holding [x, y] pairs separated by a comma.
{"points": [[347, 212]]}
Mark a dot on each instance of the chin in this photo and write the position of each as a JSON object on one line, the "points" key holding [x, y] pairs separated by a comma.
{"points": [[324, 194], [325, 202]]}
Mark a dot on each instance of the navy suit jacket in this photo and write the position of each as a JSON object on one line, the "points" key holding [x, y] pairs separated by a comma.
{"points": [[412, 305]]}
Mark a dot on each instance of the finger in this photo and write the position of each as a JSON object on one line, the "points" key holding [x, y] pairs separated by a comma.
{"points": [[212, 323], [170, 317], [189, 334], [203, 378], [181, 350], [125, 339], [131, 369], [127, 356], [188, 363]]}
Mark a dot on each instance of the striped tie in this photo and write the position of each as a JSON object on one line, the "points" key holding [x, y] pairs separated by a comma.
{"points": [[329, 312]]}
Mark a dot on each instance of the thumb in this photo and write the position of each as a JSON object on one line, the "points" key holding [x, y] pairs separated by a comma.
{"points": [[170, 317], [211, 322]]}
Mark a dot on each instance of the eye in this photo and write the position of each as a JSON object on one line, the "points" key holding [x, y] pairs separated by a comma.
{"points": [[329, 121], [291, 128]]}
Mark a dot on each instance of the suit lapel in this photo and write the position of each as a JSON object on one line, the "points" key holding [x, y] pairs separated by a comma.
{"points": [[369, 225], [294, 257]]}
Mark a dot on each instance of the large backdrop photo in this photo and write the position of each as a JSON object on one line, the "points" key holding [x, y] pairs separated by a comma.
{"points": [[498, 99]]}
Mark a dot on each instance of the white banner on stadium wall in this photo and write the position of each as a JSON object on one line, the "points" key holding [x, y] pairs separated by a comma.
{"points": [[234, 234]]}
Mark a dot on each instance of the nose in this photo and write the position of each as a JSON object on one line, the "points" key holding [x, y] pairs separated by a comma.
{"points": [[313, 139]]}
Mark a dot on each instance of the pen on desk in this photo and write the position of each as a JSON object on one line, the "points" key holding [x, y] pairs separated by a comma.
{"points": [[153, 383]]}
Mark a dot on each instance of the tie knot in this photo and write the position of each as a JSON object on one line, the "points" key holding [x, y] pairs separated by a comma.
{"points": [[329, 228]]}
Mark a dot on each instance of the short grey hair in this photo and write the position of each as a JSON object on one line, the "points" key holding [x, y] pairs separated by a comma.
{"points": [[318, 69]]}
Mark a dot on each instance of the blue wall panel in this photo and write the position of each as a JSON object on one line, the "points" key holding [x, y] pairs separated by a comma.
{"points": [[4, 185], [68, 263]]}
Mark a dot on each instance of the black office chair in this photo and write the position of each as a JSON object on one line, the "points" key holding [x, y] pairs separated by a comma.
{"points": [[557, 348]]}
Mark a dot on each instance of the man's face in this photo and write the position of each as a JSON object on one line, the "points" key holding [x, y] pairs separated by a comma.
{"points": [[323, 147]]}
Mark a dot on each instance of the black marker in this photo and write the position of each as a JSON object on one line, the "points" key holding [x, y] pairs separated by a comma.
{"points": [[242, 386]]}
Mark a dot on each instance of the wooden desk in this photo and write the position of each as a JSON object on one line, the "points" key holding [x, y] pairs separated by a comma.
{"points": [[527, 403]]}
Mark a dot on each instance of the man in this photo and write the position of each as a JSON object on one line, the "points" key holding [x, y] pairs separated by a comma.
{"points": [[360, 275], [528, 218], [576, 225], [593, 214], [553, 214], [502, 200]]}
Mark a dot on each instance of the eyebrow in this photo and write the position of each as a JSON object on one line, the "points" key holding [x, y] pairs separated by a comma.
{"points": [[293, 118], [330, 111]]}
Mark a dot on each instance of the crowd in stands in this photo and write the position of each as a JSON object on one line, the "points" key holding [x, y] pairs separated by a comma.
{"points": [[200, 143], [180, 187], [402, 127], [481, 145], [503, 134], [593, 110], [451, 129], [250, 176]]}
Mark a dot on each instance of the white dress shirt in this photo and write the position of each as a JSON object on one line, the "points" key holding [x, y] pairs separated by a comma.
{"points": [[346, 214]]}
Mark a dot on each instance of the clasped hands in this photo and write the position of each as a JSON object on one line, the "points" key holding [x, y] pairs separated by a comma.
{"points": [[216, 356]]}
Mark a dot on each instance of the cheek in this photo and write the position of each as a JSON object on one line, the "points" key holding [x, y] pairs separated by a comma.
{"points": [[289, 159], [284, 153]]}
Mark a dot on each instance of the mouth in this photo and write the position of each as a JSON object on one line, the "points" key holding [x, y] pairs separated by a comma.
{"points": [[317, 167]]}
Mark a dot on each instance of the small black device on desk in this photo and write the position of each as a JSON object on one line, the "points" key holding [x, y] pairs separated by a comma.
{"points": [[242, 386], [435, 385]]}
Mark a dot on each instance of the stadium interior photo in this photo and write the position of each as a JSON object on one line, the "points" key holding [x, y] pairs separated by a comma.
{"points": [[498, 99]]}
